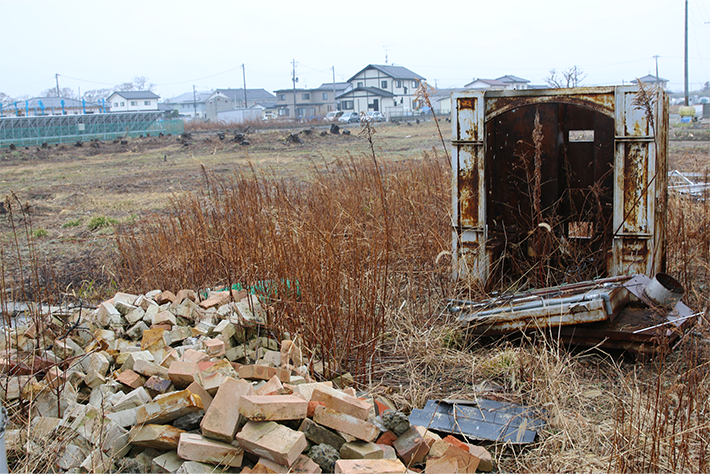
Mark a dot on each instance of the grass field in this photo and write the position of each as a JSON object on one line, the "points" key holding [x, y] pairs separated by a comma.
{"points": [[361, 222]]}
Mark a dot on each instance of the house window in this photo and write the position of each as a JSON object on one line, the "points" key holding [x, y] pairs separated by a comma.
{"points": [[123, 104], [300, 112], [348, 105], [398, 84], [146, 102], [414, 84], [384, 84], [359, 84], [325, 96], [283, 112], [282, 96], [115, 104], [134, 103], [306, 96]]}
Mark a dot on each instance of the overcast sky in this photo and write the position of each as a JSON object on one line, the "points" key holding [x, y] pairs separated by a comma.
{"points": [[177, 44]]}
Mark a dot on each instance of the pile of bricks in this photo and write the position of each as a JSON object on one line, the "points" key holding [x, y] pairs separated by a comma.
{"points": [[164, 382]]}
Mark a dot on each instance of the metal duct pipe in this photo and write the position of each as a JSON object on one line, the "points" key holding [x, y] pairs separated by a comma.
{"points": [[664, 291], [542, 302]]}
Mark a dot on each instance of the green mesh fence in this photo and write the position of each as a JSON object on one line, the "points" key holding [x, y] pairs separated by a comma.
{"points": [[24, 131]]}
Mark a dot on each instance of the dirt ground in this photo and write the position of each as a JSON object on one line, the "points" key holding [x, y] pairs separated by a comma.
{"points": [[69, 191]]}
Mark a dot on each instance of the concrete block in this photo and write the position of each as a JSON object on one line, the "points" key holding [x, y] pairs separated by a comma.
{"points": [[272, 358], [197, 389], [150, 369], [136, 331], [169, 407], [369, 466], [348, 424], [486, 463], [272, 407], [97, 462], [388, 452], [167, 462], [123, 418], [318, 434], [303, 464], [411, 447], [306, 389], [164, 317], [193, 447], [135, 315], [341, 402], [132, 357], [157, 385], [163, 437], [272, 441], [360, 450], [114, 440], [72, 457], [222, 418], [290, 354], [106, 313], [192, 355], [214, 347], [177, 334], [132, 399]]}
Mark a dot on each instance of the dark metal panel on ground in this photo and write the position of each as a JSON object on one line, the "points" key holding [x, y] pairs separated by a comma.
{"points": [[480, 420]]}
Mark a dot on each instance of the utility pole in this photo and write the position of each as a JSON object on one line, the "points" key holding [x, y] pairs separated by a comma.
{"points": [[56, 77], [686, 53], [295, 80], [194, 99], [244, 77], [656, 58], [335, 102]]}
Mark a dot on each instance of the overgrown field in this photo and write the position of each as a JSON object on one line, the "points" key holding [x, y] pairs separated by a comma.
{"points": [[347, 237]]}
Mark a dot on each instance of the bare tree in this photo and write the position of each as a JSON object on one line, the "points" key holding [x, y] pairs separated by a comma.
{"points": [[141, 84], [94, 95], [64, 92], [570, 77]]}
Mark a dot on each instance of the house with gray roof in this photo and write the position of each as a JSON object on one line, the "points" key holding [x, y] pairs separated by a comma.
{"points": [[133, 101], [650, 79], [224, 101], [309, 103], [507, 82], [190, 104], [381, 88]]}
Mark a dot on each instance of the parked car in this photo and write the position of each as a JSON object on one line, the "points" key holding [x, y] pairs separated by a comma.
{"points": [[349, 117], [375, 117], [269, 116], [333, 116]]}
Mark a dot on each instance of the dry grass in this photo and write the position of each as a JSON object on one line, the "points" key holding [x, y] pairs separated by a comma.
{"points": [[347, 259]]}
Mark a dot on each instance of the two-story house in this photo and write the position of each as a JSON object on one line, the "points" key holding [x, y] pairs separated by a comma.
{"points": [[507, 82], [133, 101], [309, 103], [223, 101], [190, 104], [387, 89]]}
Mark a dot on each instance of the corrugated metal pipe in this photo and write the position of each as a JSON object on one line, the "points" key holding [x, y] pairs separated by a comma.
{"points": [[541, 303]]}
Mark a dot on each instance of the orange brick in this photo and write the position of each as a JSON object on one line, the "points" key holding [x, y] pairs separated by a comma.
{"points": [[272, 441], [182, 373], [456, 442], [369, 466], [341, 402], [312, 408], [222, 418], [388, 437], [131, 379], [347, 424]]}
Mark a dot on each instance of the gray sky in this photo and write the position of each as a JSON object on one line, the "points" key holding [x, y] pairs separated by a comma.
{"points": [[175, 44]]}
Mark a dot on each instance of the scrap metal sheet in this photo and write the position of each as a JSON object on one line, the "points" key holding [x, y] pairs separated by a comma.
{"points": [[481, 420]]}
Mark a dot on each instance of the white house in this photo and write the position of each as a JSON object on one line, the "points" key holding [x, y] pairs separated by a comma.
{"points": [[650, 79], [387, 89], [190, 104], [506, 82], [133, 101]]}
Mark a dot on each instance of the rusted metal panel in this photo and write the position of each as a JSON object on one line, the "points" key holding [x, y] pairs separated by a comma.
{"points": [[594, 177]]}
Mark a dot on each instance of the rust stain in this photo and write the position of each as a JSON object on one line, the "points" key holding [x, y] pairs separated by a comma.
{"points": [[468, 197]]}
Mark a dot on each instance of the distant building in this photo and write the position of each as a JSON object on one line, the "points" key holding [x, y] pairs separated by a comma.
{"points": [[227, 100], [39, 106], [507, 82], [190, 104], [650, 79], [381, 88], [133, 101], [309, 103]]}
